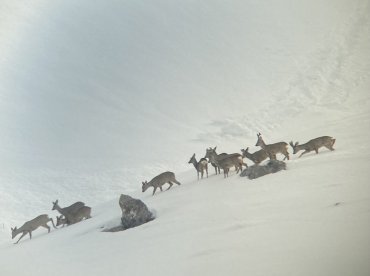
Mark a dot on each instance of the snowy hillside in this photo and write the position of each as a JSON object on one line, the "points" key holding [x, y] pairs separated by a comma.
{"points": [[97, 97]]}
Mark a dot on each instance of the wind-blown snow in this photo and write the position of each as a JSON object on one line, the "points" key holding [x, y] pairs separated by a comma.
{"points": [[97, 97]]}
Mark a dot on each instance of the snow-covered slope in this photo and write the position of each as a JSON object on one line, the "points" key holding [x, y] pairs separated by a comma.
{"points": [[96, 97]]}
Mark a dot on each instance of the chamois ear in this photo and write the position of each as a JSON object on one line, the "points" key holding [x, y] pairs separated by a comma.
{"points": [[291, 143], [259, 134], [215, 148], [296, 144]]}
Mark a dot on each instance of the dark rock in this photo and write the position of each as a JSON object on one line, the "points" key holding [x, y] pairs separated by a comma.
{"points": [[256, 171], [134, 212]]}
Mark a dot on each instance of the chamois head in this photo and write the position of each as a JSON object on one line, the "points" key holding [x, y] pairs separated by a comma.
{"points": [[145, 186], [294, 146], [260, 141], [192, 159], [244, 152], [61, 220], [55, 204], [210, 154], [14, 232]]}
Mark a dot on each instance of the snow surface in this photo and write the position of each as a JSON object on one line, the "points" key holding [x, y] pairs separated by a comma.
{"points": [[99, 96]]}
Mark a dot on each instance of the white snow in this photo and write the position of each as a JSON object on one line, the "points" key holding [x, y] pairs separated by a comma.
{"points": [[97, 96]]}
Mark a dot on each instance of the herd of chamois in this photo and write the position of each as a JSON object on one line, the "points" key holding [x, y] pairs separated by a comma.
{"points": [[78, 211], [69, 215], [226, 161]]}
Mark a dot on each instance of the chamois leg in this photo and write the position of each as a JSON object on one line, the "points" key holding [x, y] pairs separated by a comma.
{"points": [[169, 182], [23, 234], [215, 166], [47, 227], [286, 154], [303, 153], [226, 172], [330, 146], [52, 222]]}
